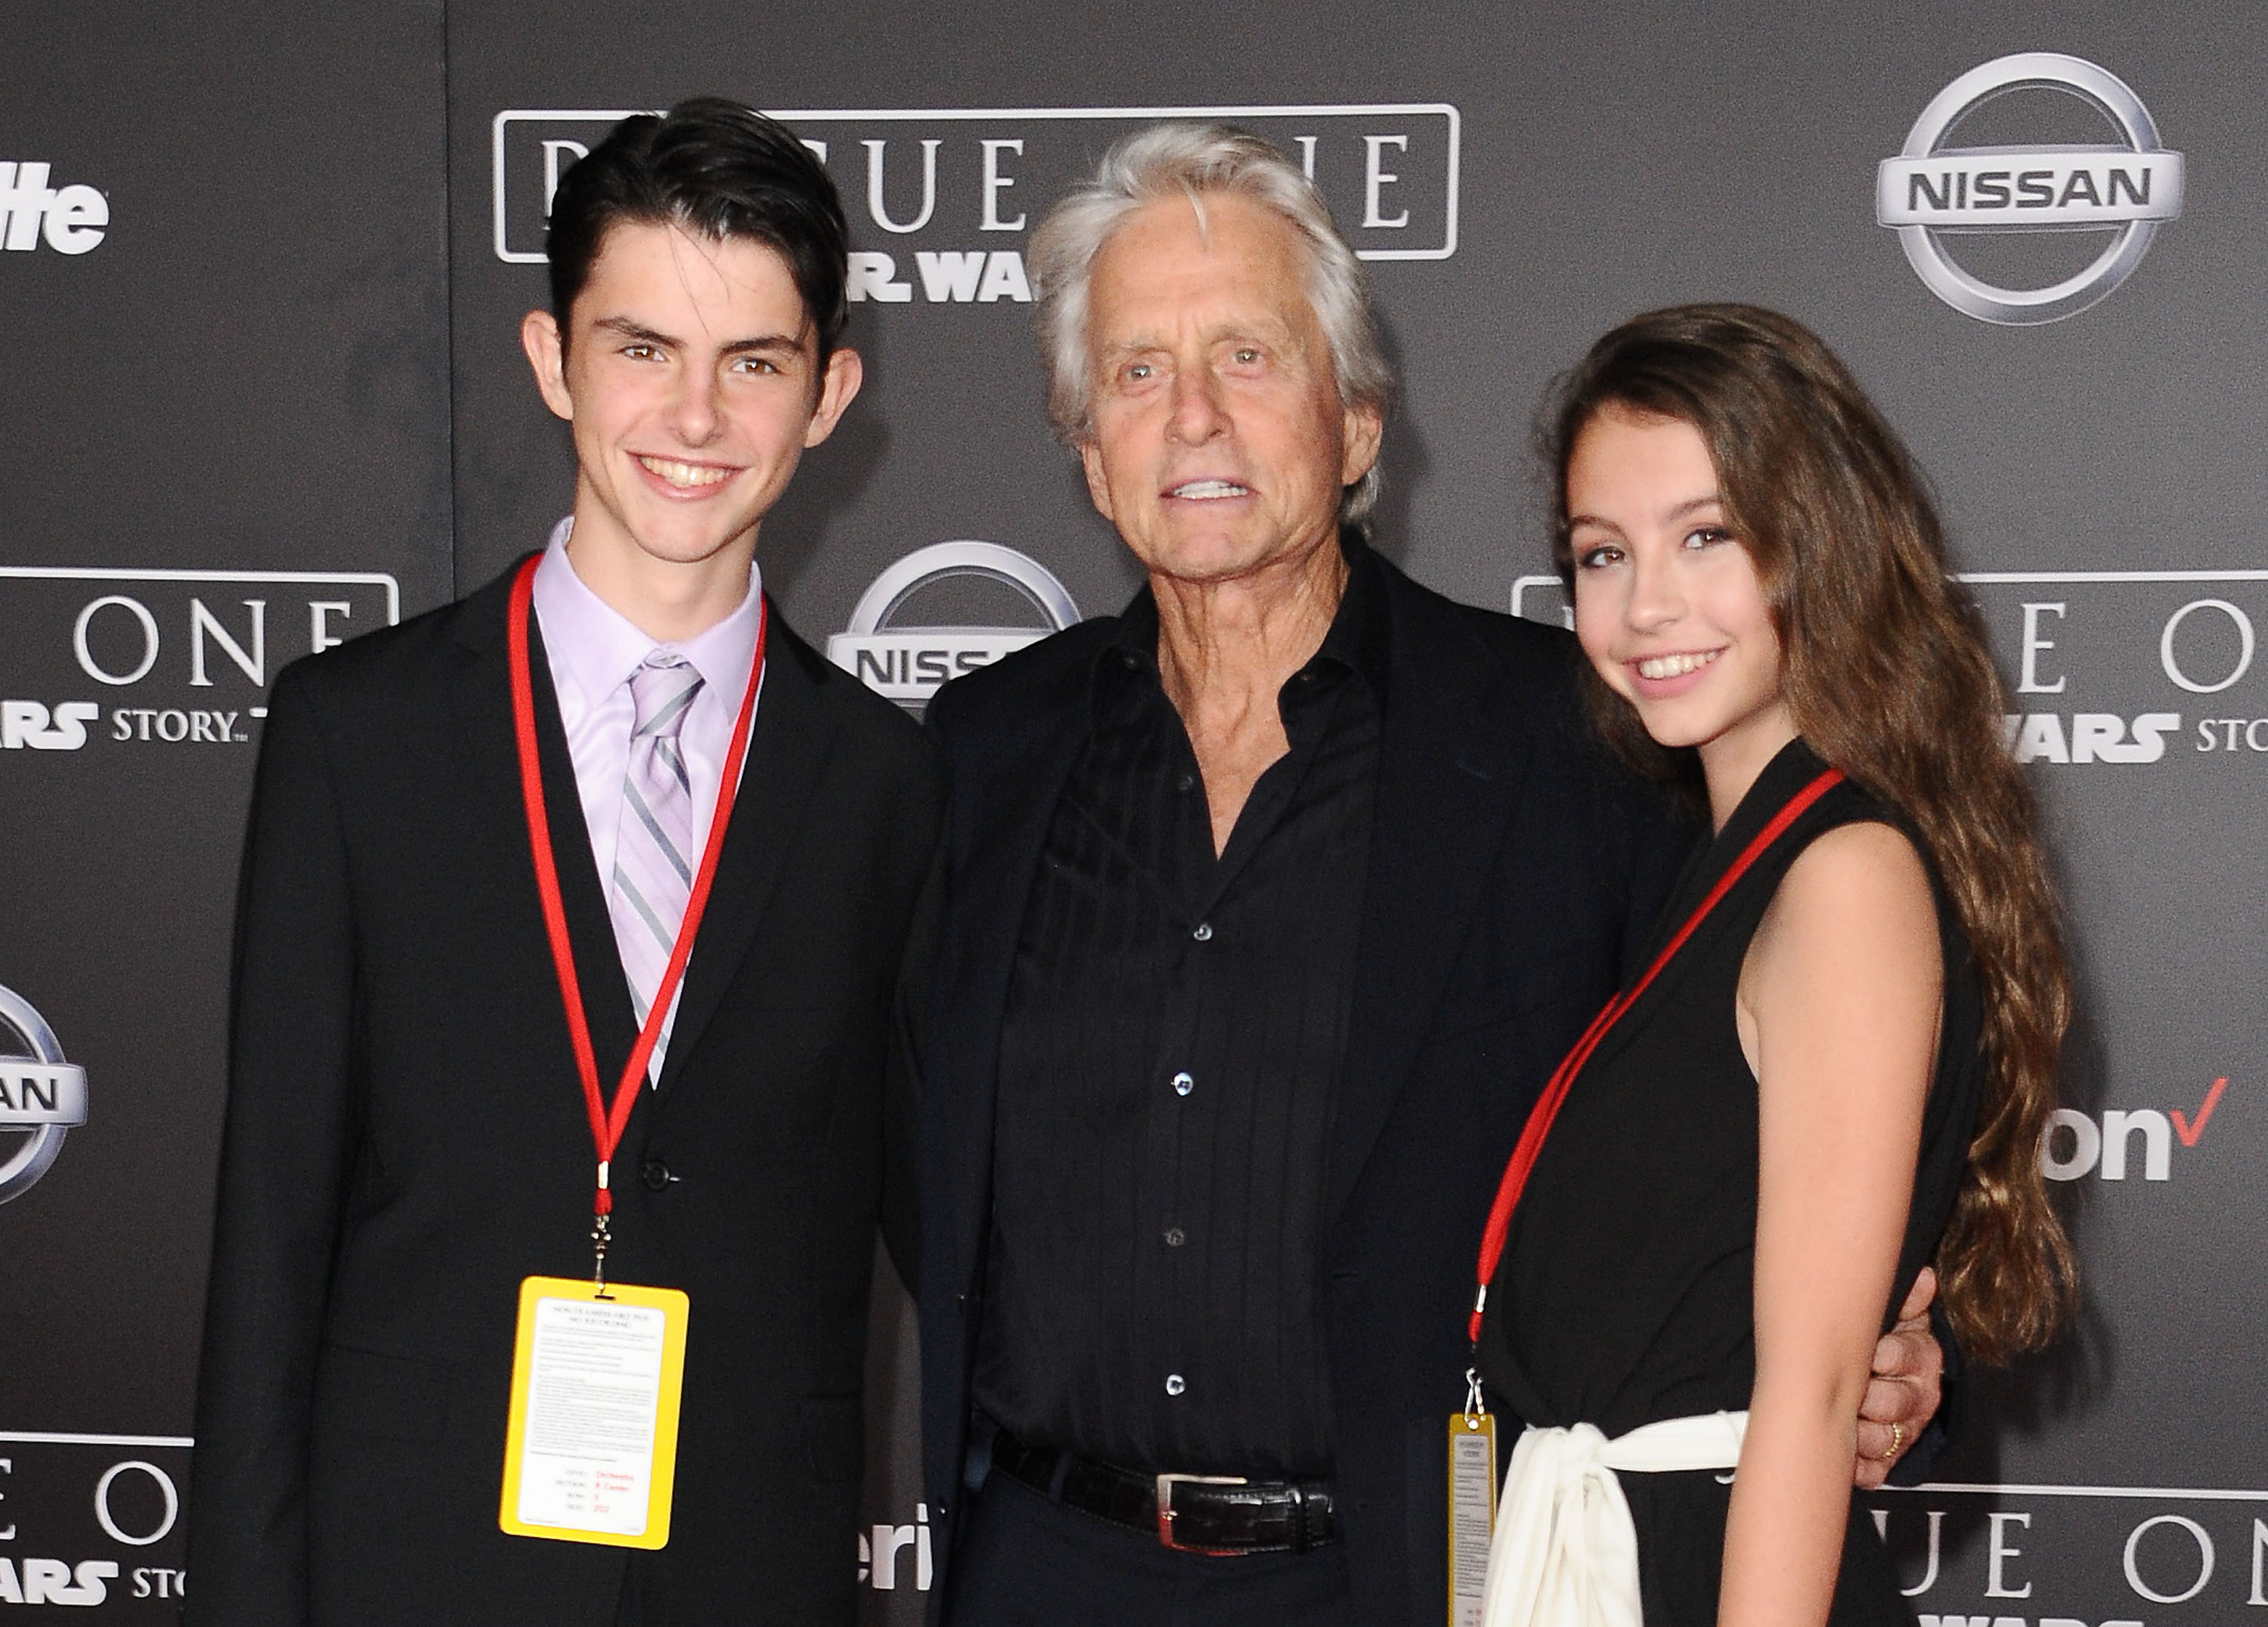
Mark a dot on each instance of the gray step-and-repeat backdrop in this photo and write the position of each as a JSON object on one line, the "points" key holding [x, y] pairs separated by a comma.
{"points": [[261, 267]]}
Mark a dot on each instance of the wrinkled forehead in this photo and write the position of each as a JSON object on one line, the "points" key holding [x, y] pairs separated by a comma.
{"points": [[1201, 262]]}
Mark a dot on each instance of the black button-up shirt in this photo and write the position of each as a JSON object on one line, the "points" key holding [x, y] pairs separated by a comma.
{"points": [[1174, 1036]]}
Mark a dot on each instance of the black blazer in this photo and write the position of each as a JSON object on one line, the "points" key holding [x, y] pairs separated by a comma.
{"points": [[1512, 865], [406, 1139]]}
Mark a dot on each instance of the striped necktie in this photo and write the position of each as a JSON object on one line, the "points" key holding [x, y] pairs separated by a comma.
{"points": [[654, 843]]}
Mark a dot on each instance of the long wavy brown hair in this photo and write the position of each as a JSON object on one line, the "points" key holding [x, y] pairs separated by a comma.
{"points": [[1887, 675]]}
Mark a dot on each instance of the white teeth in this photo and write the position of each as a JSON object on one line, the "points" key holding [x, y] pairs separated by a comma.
{"points": [[686, 476], [1675, 665], [1210, 488]]}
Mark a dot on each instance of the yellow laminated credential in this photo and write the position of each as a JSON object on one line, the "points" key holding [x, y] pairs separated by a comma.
{"points": [[596, 1380], [1472, 1510]]}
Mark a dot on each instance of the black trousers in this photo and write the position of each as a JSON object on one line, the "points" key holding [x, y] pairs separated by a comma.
{"points": [[1019, 1560], [640, 1605]]}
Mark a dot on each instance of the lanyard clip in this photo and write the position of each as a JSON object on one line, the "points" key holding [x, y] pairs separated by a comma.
{"points": [[1475, 1406], [601, 1235]]}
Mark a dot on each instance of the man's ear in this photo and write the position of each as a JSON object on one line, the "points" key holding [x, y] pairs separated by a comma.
{"points": [[838, 387], [1365, 433], [539, 337], [1098, 482]]}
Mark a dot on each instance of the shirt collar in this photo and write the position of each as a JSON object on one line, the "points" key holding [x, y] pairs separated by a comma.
{"points": [[1357, 640], [595, 647]]}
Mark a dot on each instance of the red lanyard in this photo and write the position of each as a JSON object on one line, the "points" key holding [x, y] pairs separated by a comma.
{"points": [[1555, 1094], [607, 1125]]}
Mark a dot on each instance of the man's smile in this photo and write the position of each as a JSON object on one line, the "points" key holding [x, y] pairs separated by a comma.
{"points": [[683, 476], [1209, 490]]}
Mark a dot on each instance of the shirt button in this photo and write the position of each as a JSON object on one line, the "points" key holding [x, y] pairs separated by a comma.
{"points": [[1203, 933], [1188, 782], [1184, 1084], [1175, 1237], [654, 1173], [1174, 1384]]}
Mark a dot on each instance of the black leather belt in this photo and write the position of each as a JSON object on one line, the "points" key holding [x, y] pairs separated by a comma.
{"points": [[1195, 1513]]}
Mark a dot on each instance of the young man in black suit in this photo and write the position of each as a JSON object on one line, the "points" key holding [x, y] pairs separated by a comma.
{"points": [[408, 1137], [1274, 901]]}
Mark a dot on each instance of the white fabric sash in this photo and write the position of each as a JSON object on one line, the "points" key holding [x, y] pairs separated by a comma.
{"points": [[1565, 1553]]}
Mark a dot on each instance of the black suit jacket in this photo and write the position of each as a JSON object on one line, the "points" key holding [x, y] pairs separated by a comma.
{"points": [[1512, 867], [406, 1139]]}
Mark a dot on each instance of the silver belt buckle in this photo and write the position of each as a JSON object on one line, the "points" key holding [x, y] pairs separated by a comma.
{"points": [[1166, 1483]]}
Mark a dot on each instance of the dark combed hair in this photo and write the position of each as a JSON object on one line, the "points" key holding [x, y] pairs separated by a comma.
{"points": [[1887, 675], [719, 170]]}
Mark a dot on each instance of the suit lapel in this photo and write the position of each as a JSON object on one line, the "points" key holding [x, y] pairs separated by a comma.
{"points": [[1007, 815], [788, 748], [483, 702], [1451, 754]]}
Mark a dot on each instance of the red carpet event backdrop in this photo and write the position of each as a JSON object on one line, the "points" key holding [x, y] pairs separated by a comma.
{"points": [[263, 266]]}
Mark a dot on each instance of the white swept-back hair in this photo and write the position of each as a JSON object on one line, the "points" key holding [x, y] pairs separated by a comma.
{"points": [[1193, 161]]}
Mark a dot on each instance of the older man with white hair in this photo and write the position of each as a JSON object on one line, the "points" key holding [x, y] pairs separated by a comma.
{"points": [[1274, 899]]}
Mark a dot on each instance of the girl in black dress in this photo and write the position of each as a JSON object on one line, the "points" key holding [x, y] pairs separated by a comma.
{"points": [[1836, 1065]]}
